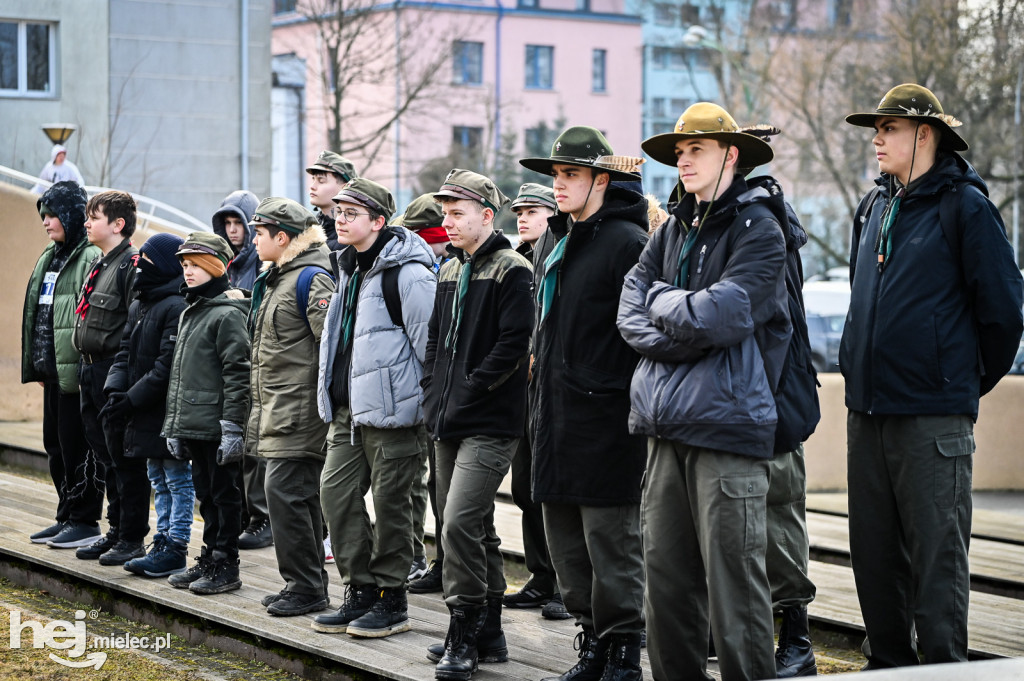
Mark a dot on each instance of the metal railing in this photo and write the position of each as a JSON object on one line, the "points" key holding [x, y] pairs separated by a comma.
{"points": [[152, 214]]}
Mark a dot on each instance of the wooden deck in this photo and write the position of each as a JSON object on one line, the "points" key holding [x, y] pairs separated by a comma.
{"points": [[538, 647]]}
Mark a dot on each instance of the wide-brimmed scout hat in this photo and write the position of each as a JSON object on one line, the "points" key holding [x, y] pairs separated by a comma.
{"points": [[707, 120], [533, 194], [916, 102], [330, 162], [364, 192], [465, 184], [207, 243], [584, 146], [284, 214]]}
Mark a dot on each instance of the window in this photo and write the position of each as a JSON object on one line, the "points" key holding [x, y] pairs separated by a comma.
{"points": [[679, 105], [467, 63], [839, 13], [690, 14], [598, 80], [527, 3], [466, 137], [539, 66], [27, 58], [664, 15], [668, 58], [582, 5], [283, 6]]}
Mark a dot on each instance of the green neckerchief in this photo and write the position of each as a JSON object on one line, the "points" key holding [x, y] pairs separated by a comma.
{"points": [[459, 304], [684, 256], [883, 245], [259, 289], [546, 290], [348, 313]]}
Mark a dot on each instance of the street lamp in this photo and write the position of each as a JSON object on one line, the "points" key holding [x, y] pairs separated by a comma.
{"points": [[59, 132], [698, 36]]}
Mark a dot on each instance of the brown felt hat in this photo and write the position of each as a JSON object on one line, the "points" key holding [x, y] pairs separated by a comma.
{"points": [[706, 120]]}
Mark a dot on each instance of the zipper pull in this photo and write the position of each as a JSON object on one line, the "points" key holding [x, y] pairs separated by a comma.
{"points": [[700, 262]]}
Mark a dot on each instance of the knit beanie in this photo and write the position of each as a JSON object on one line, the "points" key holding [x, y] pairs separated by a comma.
{"points": [[210, 263], [161, 249]]}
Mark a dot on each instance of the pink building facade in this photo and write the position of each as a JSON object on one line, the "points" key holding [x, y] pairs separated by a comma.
{"points": [[501, 75]]}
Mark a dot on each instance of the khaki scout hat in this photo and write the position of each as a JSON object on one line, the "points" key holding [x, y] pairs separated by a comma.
{"points": [[918, 103], [584, 146], [465, 184], [284, 214], [705, 120], [532, 194], [364, 192], [329, 162], [207, 243]]}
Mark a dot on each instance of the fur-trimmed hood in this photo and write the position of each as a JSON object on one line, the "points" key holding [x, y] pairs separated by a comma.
{"points": [[314, 236]]}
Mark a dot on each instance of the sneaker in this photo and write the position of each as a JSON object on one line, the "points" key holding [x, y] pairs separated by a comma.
{"points": [[418, 568], [182, 580], [122, 552], [257, 535], [221, 577], [165, 557], [94, 551], [388, 615], [74, 535], [358, 601], [555, 609], [428, 583], [271, 598], [292, 603], [527, 597], [328, 552], [43, 536]]}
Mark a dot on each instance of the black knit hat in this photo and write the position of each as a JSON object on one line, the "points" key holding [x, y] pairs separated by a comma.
{"points": [[162, 250]]}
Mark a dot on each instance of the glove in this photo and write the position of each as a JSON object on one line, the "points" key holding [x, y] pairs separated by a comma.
{"points": [[231, 445], [175, 448], [117, 408]]}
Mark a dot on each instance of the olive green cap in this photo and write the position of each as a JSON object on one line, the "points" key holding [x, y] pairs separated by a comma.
{"points": [[916, 102], [465, 184], [533, 194], [207, 243], [364, 192], [284, 214], [584, 146], [330, 162], [422, 212]]}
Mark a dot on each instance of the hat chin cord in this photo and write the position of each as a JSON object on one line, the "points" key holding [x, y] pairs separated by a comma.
{"points": [[718, 183], [593, 179]]}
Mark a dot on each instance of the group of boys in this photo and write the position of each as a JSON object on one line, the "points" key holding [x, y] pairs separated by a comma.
{"points": [[649, 395]]}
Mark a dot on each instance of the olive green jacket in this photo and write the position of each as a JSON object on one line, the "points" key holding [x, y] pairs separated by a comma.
{"points": [[65, 299], [284, 422], [209, 379]]}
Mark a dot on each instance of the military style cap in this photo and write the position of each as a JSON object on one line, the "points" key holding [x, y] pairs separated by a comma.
{"points": [[329, 162], [364, 192], [916, 102], [705, 120], [423, 212], [532, 194], [465, 184], [207, 243], [584, 146], [284, 214]]}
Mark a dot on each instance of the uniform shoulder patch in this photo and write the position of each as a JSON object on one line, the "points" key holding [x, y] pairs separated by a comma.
{"points": [[323, 303]]}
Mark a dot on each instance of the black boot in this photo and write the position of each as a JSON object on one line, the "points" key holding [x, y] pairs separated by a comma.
{"points": [[388, 615], [795, 655], [593, 655], [182, 580], [623, 659], [221, 577], [490, 643], [460, 653], [359, 599]]}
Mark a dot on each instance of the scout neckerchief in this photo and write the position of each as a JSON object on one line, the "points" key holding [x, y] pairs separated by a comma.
{"points": [[553, 263], [348, 314], [883, 244], [259, 289], [459, 304], [694, 229]]}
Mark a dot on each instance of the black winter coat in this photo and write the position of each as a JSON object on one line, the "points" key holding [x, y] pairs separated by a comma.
{"points": [[481, 388], [142, 367], [583, 451], [928, 335]]}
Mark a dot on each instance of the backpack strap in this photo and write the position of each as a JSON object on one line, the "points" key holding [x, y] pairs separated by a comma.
{"points": [[949, 219], [303, 285], [392, 299]]}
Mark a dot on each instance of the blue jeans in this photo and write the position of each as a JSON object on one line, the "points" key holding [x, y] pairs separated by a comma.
{"points": [[174, 497]]}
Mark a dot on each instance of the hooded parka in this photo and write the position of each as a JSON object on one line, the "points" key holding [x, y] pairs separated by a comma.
{"points": [[387, 360], [245, 266], [962, 319], [283, 421], [583, 451], [713, 348]]}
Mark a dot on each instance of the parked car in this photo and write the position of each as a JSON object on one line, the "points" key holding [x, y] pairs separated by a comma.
{"points": [[826, 304]]}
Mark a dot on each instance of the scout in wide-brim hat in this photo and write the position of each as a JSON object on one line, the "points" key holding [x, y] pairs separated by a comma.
{"points": [[706, 120], [584, 146], [918, 103]]}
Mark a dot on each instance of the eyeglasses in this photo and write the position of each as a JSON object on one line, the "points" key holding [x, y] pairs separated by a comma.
{"points": [[347, 215]]}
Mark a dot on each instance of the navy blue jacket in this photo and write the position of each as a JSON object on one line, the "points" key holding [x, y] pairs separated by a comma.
{"points": [[928, 335]]}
